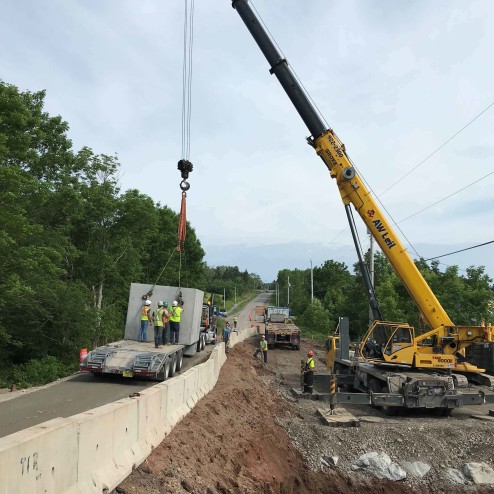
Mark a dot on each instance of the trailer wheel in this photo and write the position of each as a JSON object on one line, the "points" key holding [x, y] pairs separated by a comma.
{"points": [[203, 342], [198, 346], [163, 375], [180, 358], [173, 363]]}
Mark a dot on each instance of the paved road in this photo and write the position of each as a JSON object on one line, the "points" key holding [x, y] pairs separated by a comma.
{"points": [[74, 395], [83, 391]]}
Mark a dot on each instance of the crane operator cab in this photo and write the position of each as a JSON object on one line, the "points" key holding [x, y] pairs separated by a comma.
{"points": [[384, 339]]}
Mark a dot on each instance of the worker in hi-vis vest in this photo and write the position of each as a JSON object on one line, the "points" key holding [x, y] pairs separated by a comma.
{"points": [[158, 324], [175, 315], [263, 348], [309, 372], [145, 318]]}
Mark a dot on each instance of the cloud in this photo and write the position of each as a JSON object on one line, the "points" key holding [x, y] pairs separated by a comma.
{"points": [[395, 81]]}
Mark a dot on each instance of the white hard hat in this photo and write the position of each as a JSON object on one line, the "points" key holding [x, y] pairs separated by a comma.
{"points": [[148, 302], [160, 303], [174, 303]]}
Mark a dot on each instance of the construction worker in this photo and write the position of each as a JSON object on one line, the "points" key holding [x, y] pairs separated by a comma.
{"points": [[145, 318], [226, 335], [263, 348], [309, 372], [158, 324], [235, 320], [175, 315], [165, 337]]}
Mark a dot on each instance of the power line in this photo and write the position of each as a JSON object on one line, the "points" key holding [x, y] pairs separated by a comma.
{"points": [[444, 198], [462, 250], [438, 149]]}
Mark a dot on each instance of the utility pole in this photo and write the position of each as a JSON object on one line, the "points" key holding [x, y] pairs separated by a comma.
{"points": [[311, 283], [371, 271], [277, 296], [288, 304], [224, 297], [235, 294]]}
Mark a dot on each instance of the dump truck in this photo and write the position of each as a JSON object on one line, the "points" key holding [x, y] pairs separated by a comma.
{"points": [[279, 329], [131, 358]]}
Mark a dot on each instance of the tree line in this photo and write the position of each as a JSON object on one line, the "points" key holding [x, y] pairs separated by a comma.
{"points": [[71, 243], [466, 296]]}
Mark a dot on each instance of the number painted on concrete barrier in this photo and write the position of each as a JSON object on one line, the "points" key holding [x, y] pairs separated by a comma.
{"points": [[29, 462]]}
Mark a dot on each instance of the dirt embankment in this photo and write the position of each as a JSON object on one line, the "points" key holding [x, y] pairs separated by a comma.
{"points": [[232, 443]]}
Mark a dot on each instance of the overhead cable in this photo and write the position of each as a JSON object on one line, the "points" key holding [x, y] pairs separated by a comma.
{"points": [[461, 250], [438, 149]]}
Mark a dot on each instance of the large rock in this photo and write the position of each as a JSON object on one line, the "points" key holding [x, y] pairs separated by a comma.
{"points": [[416, 468], [380, 466], [479, 473], [455, 476]]}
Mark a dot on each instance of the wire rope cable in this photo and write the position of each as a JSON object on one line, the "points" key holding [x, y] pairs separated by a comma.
{"points": [[461, 250], [438, 149], [188, 41]]}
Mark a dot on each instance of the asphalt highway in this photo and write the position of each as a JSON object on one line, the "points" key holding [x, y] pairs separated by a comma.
{"points": [[83, 392]]}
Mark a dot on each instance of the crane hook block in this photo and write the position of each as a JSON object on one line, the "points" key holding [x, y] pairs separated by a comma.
{"points": [[185, 167], [184, 185]]}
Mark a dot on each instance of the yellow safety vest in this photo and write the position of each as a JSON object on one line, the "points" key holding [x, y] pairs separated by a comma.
{"points": [[158, 317], [175, 316], [309, 365], [144, 313], [263, 345]]}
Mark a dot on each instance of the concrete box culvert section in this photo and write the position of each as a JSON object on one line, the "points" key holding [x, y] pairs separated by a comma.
{"points": [[98, 449]]}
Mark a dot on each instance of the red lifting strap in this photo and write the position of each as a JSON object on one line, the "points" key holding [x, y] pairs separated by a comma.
{"points": [[182, 224]]}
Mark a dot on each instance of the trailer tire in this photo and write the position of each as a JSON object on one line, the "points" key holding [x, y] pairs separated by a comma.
{"points": [[173, 364], [198, 345], [180, 358], [203, 342], [163, 375]]}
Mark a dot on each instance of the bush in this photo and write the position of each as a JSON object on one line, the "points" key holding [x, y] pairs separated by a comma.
{"points": [[39, 372]]}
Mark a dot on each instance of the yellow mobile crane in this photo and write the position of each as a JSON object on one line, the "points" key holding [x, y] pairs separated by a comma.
{"points": [[416, 371]]}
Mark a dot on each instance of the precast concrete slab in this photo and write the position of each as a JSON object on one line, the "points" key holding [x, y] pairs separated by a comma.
{"points": [[190, 320], [40, 459]]}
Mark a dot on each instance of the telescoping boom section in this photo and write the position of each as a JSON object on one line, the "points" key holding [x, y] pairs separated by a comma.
{"points": [[443, 346]]}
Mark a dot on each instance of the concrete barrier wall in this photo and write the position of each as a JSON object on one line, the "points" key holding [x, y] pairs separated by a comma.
{"points": [[96, 450]]}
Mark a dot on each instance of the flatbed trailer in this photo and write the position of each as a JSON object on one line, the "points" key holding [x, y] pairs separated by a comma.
{"points": [[282, 334], [131, 358]]}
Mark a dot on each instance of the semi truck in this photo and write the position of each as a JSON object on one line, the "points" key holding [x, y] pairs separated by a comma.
{"points": [[395, 366], [132, 358], [279, 329]]}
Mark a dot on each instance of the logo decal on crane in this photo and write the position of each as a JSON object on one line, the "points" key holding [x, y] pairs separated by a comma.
{"points": [[382, 229], [370, 213]]}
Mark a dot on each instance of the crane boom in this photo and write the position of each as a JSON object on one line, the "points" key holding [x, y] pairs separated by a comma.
{"points": [[352, 189]]}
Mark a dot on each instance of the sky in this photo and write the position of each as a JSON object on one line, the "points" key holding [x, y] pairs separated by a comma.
{"points": [[395, 80]]}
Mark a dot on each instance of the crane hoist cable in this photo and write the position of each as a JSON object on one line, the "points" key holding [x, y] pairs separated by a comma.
{"points": [[184, 165]]}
